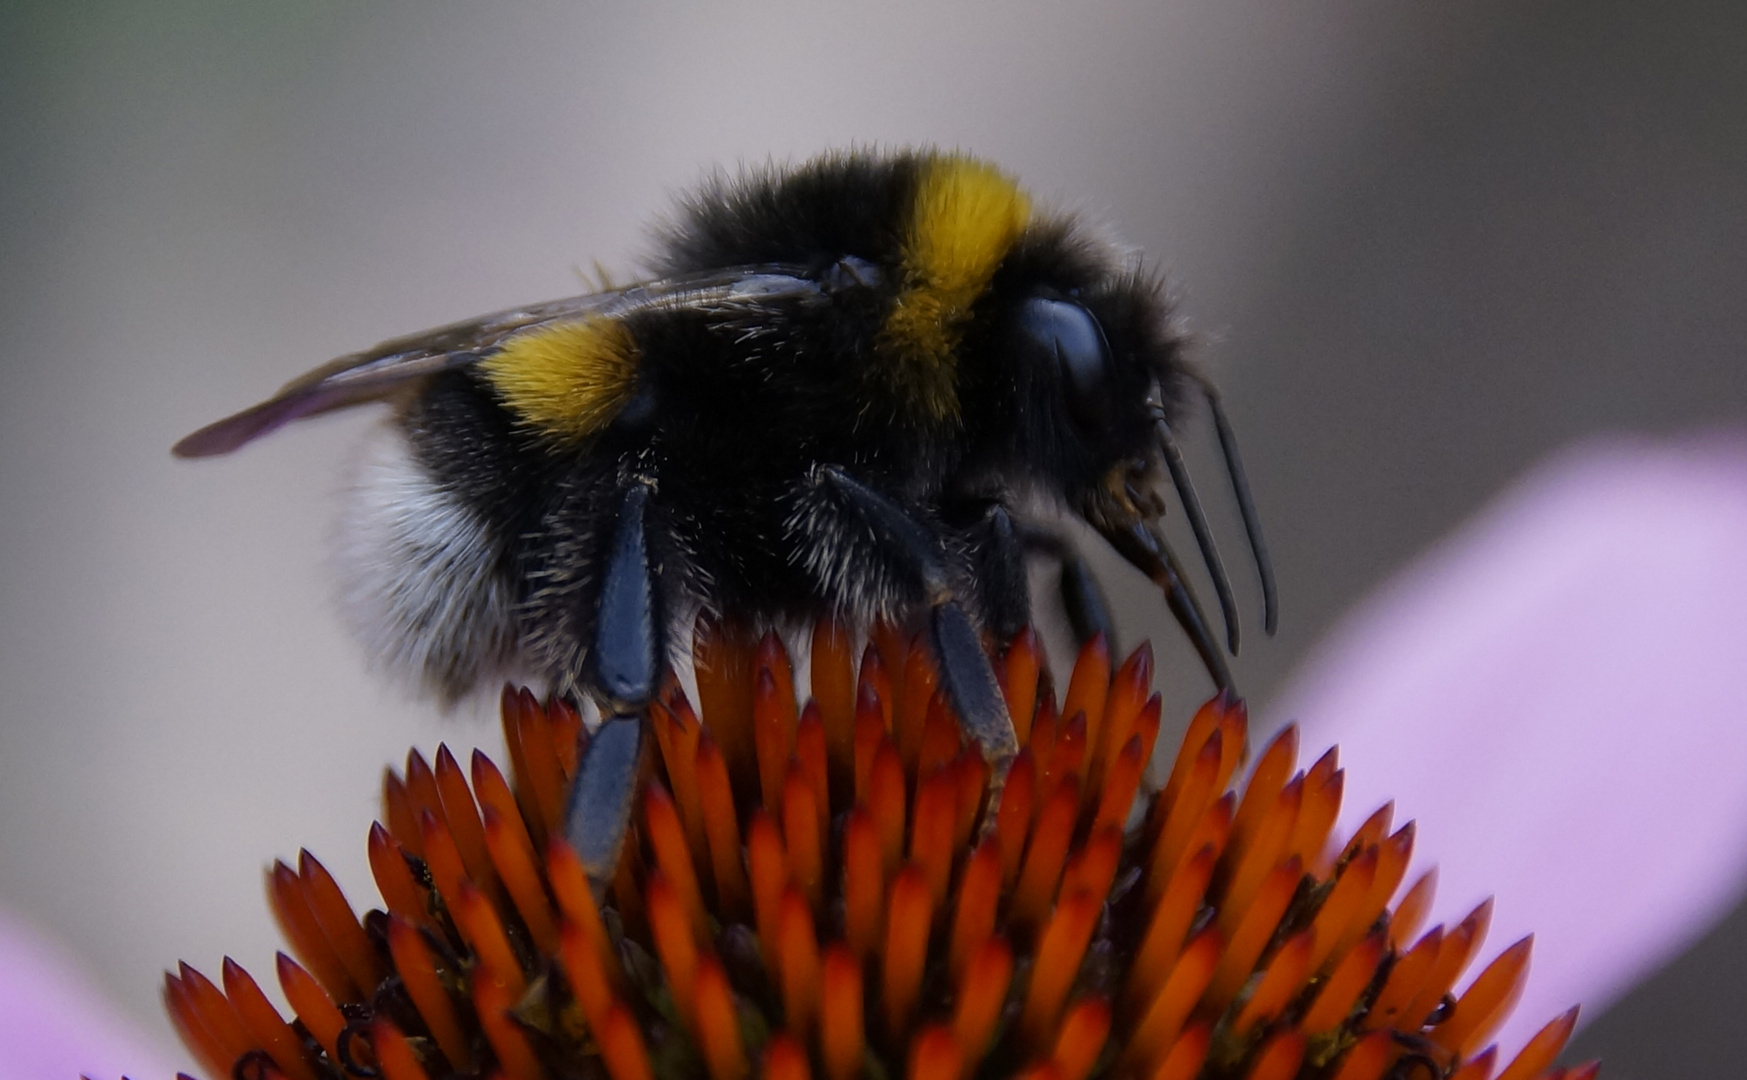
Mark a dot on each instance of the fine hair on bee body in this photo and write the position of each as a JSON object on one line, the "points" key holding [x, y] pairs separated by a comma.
{"points": [[840, 393]]}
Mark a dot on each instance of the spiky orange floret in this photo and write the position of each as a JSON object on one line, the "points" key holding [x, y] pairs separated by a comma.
{"points": [[825, 885]]}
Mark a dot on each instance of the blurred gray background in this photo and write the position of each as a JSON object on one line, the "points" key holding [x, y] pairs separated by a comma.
{"points": [[1425, 245]]}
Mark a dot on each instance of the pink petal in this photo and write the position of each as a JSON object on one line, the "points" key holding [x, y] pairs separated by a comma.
{"points": [[54, 1023], [1559, 695]]}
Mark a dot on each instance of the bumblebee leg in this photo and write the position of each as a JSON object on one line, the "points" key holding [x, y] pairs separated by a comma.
{"points": [[1147, 551], [901, 540], [995, 545], [627, 648], [599, 812], [622, 668], [1082, 597], [971, 682], [1088, 610]]}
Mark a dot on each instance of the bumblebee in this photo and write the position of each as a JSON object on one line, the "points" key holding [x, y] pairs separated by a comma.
{"points": [[839, 393]]}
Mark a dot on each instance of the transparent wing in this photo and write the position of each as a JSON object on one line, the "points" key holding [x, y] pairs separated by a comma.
{"points": [[382, 371]]}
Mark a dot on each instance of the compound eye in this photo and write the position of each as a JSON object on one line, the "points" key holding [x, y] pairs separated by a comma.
{"points": [[1070, 334]]}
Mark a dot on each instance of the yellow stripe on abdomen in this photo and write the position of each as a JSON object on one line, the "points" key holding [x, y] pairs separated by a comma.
{"points": [[568, 381], [966, 216]]}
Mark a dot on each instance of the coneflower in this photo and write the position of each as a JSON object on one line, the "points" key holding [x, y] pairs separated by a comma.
{"points": [[824, 885]]}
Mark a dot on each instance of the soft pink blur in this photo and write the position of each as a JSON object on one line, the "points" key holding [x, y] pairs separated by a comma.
{"points": [[1559, 695], [55, 1024]]}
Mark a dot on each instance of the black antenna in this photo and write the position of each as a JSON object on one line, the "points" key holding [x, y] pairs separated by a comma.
{"points": [[1203, 535], [1240, 485]]}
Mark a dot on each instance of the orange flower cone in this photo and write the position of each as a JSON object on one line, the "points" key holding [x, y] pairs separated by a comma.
{"points": [[831, 884]]}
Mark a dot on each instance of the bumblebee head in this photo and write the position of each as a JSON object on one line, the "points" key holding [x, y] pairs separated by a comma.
{"points": [[1081, 362]]}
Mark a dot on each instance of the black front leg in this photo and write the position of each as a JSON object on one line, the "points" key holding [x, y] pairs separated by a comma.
{"points": [[1082, 597], [868, 554], [994, 547]]}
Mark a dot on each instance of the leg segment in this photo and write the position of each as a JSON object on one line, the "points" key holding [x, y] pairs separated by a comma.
{"points": [[911, 551], [622, 666], [1082, 597], [971, 683], [626, 649], [995, 546], [601, 800], [1088, 611]]}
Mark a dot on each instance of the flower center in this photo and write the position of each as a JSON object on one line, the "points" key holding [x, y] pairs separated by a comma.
{"points": [[835, 884]]}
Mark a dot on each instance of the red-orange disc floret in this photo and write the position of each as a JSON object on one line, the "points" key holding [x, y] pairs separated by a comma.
{"points": [[833, 883]]}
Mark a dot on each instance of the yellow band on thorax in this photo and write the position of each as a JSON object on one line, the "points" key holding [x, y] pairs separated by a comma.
{"points": [[966, 216]]}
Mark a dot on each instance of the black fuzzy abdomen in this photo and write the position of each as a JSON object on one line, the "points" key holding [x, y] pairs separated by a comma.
{"points": [[475, 450]]}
